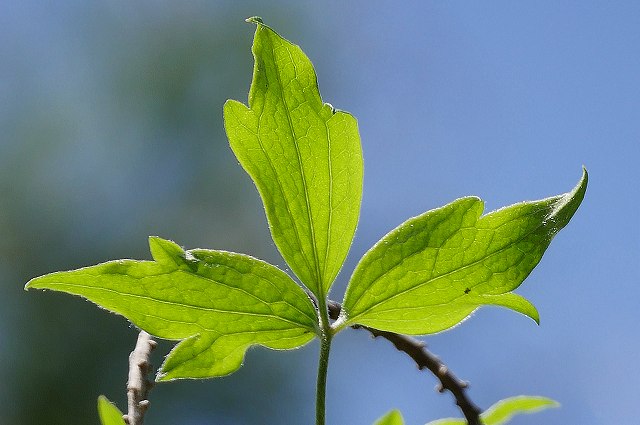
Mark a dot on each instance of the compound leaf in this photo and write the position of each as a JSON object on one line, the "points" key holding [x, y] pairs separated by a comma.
{"points": [[219, 302], [394, 417], [304, 157], [432, 271], [109, 414], [502, 412]]}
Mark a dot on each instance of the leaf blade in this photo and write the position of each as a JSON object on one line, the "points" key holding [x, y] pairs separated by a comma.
{"points": [[434, 270], [227, 299], [304, 157]]}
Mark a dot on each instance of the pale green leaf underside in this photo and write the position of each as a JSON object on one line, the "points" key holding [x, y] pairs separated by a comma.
{"points": [[219, 302], [109, 413], [504, 410], [432, 271], [394, 417], [304, 157]]}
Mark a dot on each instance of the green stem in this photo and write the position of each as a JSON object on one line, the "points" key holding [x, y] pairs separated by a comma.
{"points": [[323, 364]]}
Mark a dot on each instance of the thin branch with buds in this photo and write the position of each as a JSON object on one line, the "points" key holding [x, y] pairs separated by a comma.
{"points": [[138, 385], [424, 360]]}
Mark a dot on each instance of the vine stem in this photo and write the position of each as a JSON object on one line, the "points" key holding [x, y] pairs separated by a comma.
{"points": [[326, 336], [424, 359], [138, 385]]}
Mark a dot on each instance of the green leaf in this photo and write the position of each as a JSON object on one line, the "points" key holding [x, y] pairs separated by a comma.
{"points": [[109, 413], [394, 417], [502, 412], [304, 157], [219, 302], [434, 270]]}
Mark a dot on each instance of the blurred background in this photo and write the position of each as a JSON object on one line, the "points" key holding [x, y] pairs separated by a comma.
{"points": [[111, 131]]}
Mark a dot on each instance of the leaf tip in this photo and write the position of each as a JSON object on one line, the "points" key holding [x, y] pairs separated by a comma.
{"points": [[34, 283], [108, 412], [566, 205], [530, 311], [255, 20], [584, 180], [577, 193], [28, 285], [165, 251], [393, 417], [536, 318]]}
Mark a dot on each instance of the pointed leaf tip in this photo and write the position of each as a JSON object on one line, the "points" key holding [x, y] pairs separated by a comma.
{"points": [[393, 417], [255, 20], [109, 414], [575, 196], [165, 251]]}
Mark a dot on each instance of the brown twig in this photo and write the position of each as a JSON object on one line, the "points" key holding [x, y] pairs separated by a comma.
{"points": [[138, 385], [424, 360]]}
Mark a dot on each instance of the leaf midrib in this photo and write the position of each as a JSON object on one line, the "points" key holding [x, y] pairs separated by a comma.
{"points": [[430, 280], [184, 305], [318, 276]]}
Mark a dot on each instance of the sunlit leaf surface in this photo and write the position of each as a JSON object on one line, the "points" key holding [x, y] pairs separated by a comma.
{"points": [[219, 302], [434, 270], [304, 157]]}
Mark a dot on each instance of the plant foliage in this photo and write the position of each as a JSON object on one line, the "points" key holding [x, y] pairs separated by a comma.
{"points": [[433, 270], [305, 159]]}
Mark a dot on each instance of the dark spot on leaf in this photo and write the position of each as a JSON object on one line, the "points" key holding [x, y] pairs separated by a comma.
{"points": [[466, 291]]}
